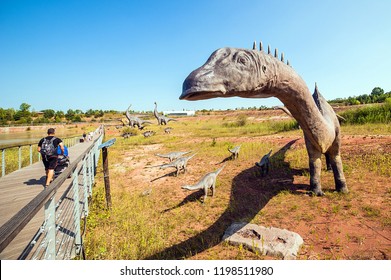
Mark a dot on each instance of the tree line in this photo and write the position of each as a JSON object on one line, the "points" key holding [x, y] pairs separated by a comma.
{"points": [[376, 96], [25, 116]]}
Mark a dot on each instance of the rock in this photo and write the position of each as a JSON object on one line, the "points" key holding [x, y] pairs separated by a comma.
{"points": [[269, 241]]}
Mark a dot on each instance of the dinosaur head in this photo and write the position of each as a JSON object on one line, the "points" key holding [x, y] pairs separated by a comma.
{"points": [[232, 72]]}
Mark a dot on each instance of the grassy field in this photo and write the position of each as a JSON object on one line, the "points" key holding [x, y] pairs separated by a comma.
{"points": [[171, 223]]}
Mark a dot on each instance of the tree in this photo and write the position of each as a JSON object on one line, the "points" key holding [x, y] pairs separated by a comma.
{"points": [[377, 91], [70, 114], [48, 113]]}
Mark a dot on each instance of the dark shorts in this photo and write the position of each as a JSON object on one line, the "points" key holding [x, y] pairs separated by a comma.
{"points": [[50, 163]]}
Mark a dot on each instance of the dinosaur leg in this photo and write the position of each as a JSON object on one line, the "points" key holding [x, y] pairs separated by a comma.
{"points": [[339, 177], [328, 163], [315, 164]]}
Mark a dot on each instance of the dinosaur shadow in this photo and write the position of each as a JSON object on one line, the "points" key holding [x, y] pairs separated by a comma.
{"points": [[190, 198], [231, 157], [171, 174], [249, 195], [33, 182]]}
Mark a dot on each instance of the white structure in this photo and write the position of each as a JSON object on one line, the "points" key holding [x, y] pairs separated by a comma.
{"points": [[179, 113]]}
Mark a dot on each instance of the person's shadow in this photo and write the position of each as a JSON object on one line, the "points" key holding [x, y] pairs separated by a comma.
{"points": [[250, 193], [33, 182]]}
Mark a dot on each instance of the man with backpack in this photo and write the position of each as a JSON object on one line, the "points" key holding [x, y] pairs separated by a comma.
{"points": [[47, 146]]}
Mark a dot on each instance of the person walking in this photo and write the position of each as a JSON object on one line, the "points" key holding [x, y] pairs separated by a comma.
{"points": [[47, 146]]}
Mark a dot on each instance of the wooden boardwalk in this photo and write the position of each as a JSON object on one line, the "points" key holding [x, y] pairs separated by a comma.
{"points": [[17, 189]]}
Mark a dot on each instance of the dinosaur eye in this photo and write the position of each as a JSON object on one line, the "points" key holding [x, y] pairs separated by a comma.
{"points": [[263, 68]]}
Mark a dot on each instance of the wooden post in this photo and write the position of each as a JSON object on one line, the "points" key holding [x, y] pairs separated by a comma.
{"points": [[106, 176]]}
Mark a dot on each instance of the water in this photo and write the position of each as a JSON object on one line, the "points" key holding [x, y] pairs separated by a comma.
{"points": [[31, 136]]}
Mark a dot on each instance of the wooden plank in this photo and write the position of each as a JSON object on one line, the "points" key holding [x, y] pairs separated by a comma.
{"points": [[18, 189]]}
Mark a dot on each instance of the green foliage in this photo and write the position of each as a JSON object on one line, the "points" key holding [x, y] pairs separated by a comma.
{"points": [[377, 96], [370, 114]]}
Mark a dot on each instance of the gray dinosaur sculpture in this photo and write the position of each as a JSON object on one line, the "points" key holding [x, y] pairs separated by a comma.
{"points": [[255, 74], [135, 121], [148, 133], [161, 120], [173, 155], [264, 163], [234, 151], [207, 182], [180, 164]]}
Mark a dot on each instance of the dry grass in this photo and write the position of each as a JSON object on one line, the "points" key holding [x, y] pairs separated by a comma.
{"points": [[171, 223]]}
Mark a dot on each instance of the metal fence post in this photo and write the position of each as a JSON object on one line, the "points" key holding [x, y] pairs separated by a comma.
{"points": [[20, 157], [85, 187], [50, 218], [76, 211], [31, 154], [3, 163]]}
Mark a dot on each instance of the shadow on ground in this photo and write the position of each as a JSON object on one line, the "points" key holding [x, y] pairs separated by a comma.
{"points": [[249, 195]]}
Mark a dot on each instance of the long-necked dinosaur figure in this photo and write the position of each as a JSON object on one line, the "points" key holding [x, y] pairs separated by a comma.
{"points": [[255, 74], [208, 182], [180, 164], [173, 155], [235, 152], [161, 120], [135, 121]]}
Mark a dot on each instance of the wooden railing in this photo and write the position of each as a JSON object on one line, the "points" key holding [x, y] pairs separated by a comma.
{"points": [[60, 235], [23, 154]]}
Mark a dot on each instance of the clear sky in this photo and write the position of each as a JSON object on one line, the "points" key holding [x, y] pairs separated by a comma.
{"points": [[107, 54]]}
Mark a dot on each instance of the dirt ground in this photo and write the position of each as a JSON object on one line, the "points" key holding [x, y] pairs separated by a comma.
{"points": [[335, 226]]}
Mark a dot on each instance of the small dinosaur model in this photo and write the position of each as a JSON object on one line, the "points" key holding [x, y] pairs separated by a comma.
{"points": [[167, 130], [173, 155], [208, 182], [234, 151], [180, 164], [161, 120], [264, 163], [148, 133], [256, 74]]}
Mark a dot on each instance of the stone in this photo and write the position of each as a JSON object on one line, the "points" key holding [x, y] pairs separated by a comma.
{"points": [[270, 241]]}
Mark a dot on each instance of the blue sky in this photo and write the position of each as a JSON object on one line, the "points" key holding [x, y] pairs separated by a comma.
{"points": [[99, 54]]}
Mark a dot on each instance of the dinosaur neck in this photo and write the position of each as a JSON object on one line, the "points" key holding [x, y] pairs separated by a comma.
{"points": [[291, 90], [156, 114]]}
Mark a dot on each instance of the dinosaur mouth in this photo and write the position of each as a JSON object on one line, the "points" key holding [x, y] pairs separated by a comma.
{"points": [[200, 94]]}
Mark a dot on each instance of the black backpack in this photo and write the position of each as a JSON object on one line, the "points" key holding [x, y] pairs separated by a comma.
{"points": [[47, 148]]}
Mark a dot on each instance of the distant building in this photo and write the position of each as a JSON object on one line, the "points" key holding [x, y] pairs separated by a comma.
{"points": [[179, 113]]}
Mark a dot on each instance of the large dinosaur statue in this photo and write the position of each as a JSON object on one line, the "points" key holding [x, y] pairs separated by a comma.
{"points": [[135, 121], [255, 74], [161, 120], [205, 183]]}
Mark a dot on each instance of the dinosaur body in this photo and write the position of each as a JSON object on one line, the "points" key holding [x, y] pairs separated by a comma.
{"points": [[264, 163], [234, 151], [161, 120], [180, 164], [255, 74], [208, 182], [173, 155]]}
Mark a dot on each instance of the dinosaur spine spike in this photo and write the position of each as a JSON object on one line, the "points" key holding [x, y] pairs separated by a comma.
{"points": [[268, 49], [287, 63], [254, 45], [260, 46], [282, 57], [276, 53]]}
